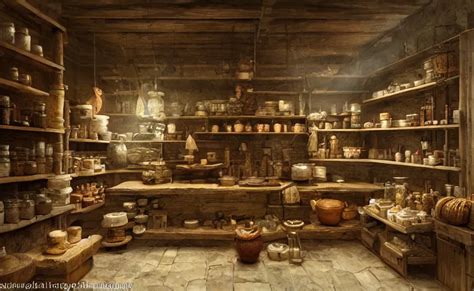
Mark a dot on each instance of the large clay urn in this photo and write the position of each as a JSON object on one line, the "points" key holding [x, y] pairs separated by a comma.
{"points": [[248, 243], [329, 211]]}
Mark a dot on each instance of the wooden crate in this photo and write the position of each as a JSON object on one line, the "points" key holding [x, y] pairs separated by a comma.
{"points": [[394, 259]]}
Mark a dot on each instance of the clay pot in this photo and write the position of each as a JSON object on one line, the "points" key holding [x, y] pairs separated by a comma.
{"points": [[249, 244], [329, 211]]}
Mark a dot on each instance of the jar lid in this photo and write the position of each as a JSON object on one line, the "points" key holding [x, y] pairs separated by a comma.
{"points": [[23, 30], [10, 203]]}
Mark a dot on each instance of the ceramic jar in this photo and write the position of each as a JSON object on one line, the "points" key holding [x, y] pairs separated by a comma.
{"points": [[329, 211], [401, 190], [215, 128], [14, 74], [7, 32], [238, 127], [23, 39], [12, 210], [248, 243], [171, 127], [27, 209], [298, 128], [5, 167], [25, 79], [37, 50], [43, 204], [277, 127], [74, 234], [248, 127]]}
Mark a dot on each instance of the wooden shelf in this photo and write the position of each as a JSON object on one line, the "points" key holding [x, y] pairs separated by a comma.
{"points": [[31, 58], [121, 114], [88, 208], [396, 226], [274, 92], [137, 188], [403, 63], [250, 133], [407, 128], [386, 162], [23, 223], [154, 141], [313, 76], [109, 172], [32, 129], [257, 117], [336, 92], [186, 117], [85, 140], [29, 178], [26, 9], [346, 187], [408, 91], [311, 231], [16, 87]]}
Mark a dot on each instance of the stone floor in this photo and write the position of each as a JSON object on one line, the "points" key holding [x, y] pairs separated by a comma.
{"points": [[328, 265]]}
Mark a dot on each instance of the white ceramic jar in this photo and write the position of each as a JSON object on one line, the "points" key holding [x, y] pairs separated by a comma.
{"points": [[23, 39], [7, 32]]}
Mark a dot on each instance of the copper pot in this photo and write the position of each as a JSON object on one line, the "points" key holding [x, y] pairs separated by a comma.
{"points": [[329, 211]]}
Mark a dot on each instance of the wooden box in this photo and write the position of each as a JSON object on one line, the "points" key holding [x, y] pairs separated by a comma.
{"points": [[394, 259]]}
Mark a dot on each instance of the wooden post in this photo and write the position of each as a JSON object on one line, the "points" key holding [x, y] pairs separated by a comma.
{"points": [[55, 107], [466, 103]]}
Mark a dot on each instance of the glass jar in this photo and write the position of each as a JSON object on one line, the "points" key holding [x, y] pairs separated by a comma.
{"points": [[4, 167], [389, 191], [31, 168], [5, 115], [27, 209], [12, 210], [7, 32], [23, 39], [401, 190], [43, 204]]}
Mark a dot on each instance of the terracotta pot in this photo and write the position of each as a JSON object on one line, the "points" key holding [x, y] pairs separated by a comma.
{"points": [[249, 244], [329, 211]]}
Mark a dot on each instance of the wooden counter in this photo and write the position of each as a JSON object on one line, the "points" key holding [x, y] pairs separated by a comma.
{"points": [[138, 188]]}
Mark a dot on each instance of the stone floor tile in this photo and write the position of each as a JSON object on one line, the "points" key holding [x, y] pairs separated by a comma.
{"points": [[196, 285], [384, 273], [398, 284], [279, 278], [343, 280], [249, 272], [367, 280], [168, 256], [319, 265], [252, 286]]}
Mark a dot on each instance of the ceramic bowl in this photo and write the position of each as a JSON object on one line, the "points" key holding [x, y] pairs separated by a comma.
{"points": [[114, 219], [141, 218], [191, 223]]}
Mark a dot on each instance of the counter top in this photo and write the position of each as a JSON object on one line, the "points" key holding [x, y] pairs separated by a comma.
{"points": [[137, 187]]}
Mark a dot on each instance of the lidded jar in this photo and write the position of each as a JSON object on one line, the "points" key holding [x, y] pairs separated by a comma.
{"points": [[7, 32], [12, 210], [43, 204], [23, 39], [27, 208]]}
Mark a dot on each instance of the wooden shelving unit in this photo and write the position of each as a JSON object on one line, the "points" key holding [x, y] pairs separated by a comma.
{"points": [[407, 128], [29, 57], [20, 88], [386, 162], [398, 227], [31, 129], [23, 223]]}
